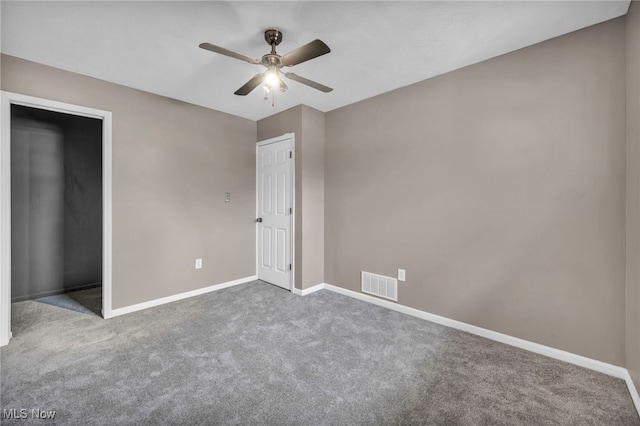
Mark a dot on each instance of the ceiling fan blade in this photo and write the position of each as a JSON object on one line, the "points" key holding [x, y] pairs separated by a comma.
{"points": [[226, 52], [250, 85], [308, 82], [304, 53]]}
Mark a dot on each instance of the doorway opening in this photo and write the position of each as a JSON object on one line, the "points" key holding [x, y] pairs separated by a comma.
{"points": [[56, 209], [52, 198]]}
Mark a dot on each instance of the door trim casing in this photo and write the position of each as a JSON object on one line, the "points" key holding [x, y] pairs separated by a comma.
{"points": [[292, 216], [6, 100]]}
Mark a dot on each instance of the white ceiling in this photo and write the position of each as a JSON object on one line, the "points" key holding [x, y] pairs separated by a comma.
{"points": [[376, 46]]}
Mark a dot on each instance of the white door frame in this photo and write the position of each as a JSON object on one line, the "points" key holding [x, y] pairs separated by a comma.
{"points": [[7, 99], [292, 217]]}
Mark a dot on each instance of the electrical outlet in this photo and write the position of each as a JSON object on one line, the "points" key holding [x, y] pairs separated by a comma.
{"points": [[227, 198], [401, 274], [198, 263]]}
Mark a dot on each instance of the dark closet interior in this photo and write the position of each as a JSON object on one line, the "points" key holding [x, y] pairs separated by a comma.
{"points": [[56, 203]]}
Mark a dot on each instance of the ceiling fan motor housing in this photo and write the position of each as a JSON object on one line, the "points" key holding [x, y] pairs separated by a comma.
{"points": [[272, 59], [273, 37]]}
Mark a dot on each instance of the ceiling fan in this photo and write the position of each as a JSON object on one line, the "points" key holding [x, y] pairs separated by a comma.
{"points": [[274, 63]]}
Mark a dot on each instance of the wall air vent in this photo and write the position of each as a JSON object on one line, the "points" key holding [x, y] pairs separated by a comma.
{"points": [[379, 285]]}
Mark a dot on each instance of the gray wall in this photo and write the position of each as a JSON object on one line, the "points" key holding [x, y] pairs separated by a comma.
{"points": [[172, 164], [313, 196], [82, 202], [633, 192], [499, 188], [308, 125], [37, 209]]}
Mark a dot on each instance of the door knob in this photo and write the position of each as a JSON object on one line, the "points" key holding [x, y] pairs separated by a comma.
{"points": [[259, 219]]}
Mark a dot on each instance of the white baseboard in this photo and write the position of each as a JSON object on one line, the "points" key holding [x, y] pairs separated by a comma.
{"points": [[309, 290], [175, 297], [632, 390], [592, 364], [582, 361]]}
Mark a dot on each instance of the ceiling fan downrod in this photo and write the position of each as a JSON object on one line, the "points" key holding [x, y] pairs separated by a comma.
{"points": [[273, 37]]}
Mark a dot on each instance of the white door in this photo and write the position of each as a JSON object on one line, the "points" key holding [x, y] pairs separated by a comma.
{"points": [[275, 210]]}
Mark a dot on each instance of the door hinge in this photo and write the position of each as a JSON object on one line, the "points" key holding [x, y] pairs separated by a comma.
{"points": [[290, 210], [290, 154], [289, 266]]}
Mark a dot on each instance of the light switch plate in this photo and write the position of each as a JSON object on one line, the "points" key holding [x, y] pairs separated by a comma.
{"points": [[227, 198], [401, 274], [198, 263]]}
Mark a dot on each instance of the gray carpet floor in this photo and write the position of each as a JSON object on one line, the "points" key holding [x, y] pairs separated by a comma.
{"points": [[87, 301], [256, 354]]}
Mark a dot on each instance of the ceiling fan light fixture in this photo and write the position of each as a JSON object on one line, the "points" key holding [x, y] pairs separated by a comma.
{"points": [[272, 79]]}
